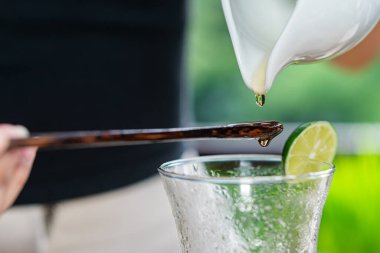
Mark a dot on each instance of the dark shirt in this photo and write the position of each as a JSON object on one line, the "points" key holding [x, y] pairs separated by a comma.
{"points": [[85, 65]]}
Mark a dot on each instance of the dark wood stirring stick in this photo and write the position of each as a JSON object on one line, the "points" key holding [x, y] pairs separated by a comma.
{"points": [[263, 131]]}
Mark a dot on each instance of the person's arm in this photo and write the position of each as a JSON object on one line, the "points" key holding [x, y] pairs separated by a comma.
{"points": [[363, 54], [15, 165]]}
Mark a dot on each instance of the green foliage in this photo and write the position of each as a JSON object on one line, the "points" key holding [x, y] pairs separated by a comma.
{"points": [[351, 218]]}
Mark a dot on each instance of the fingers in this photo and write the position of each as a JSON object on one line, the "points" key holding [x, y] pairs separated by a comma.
{"points": [[15, 165], [9, 160], [19, 175]]}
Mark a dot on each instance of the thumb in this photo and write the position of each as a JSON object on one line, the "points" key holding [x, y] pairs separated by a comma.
{"points": [[9, 131]]}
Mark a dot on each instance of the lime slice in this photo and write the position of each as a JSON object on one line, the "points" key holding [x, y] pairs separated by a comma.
{"points": [[310, 141]]}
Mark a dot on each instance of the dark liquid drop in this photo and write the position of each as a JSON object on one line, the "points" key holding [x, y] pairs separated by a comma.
{"points": [[264, 142]]}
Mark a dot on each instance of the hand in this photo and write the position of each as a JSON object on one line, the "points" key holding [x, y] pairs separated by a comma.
{"points": [[15, 165]]}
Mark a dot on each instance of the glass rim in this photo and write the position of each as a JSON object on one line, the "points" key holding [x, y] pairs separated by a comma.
{"points": [[243, 179]]}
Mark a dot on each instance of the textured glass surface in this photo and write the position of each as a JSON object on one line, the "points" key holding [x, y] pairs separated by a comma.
{"points": [[245, 204]]}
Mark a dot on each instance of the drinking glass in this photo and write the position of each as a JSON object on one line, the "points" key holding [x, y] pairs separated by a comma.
{"points": [[245, 203]]}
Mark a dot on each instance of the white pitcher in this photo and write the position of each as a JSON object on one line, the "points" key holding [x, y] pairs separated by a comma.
{"points": [[268, 35]]}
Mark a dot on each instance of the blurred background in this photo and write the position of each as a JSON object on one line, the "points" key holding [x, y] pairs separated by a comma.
{"points": [[323, 91]]}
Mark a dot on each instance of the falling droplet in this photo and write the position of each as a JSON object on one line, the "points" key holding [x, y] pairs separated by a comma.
{"points": [[264, 142], [260, 100]]}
